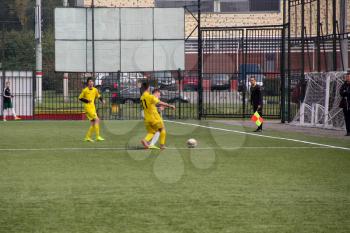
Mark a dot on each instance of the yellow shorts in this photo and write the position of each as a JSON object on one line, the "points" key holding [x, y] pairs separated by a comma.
{"points": [[153, 127], [91, 114]]}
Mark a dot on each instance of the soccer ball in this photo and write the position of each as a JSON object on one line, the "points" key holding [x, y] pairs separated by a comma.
{"points": [[191, 143]]}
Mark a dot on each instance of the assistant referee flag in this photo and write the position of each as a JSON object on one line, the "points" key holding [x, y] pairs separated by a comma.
{"points": [[257, 119]]}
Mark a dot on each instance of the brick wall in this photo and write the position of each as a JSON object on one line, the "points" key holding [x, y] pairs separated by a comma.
{"points": [[210, 20], [242, 19]]}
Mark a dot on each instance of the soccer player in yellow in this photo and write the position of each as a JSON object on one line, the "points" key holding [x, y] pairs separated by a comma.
{"points": [[152, 119], [88, 97]]}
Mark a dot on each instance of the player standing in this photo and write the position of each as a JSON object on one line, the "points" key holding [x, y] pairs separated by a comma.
{"points": [[88, 97], [152, 119], [8, 102]]}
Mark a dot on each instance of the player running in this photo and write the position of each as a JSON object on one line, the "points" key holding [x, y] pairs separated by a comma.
{"points": [[152, 119], [88, 97]]}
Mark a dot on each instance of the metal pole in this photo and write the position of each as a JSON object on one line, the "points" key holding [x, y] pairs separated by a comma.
{"points": [[200, 78], [318, 43], [301, 98], [38, 52], [65, 75], [302, 37], [93, 36], [283, 66], [343, 29], [334, 6], [289, 60]]}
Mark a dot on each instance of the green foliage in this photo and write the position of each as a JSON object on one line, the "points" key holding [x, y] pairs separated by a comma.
{"points": [[19, 53], [17, 43]]}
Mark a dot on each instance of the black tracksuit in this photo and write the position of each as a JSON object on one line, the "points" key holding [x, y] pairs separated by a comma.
{"points": [[345, 104], [256, 100]]}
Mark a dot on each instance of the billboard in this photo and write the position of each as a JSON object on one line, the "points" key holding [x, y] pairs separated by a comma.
{"points": [[119, 39]]}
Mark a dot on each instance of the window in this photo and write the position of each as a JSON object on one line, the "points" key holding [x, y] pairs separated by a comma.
{"points": [[206, 5], [250, 5], [234, 5], [265, 5], [226, 6]]}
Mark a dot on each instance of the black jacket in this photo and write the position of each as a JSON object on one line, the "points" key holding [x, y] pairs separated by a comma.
{"points": [[345, 94], [7, 94], [256, 96]]}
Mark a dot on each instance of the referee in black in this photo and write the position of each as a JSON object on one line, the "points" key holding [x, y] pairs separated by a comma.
{"points": [[345, 102], [256, 99]]}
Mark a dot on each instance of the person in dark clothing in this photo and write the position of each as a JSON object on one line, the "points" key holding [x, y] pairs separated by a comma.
{"points": [[7, 101], [345, 102], [256, 99]]}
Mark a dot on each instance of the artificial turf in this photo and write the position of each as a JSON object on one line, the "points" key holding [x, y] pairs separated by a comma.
{"points": [[52, 181]]}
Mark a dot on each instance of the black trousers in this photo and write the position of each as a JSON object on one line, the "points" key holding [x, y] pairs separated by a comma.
{"points": [[347, 119], [255, 108]]}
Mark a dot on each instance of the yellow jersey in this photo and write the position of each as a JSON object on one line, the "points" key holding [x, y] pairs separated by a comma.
{"points": [[91, 95], [148, 103]]}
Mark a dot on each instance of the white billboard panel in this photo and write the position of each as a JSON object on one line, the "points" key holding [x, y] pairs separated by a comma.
{"points": [[70, 56], [107, 56], [169, 55], [137, 56], [125, 39], [70, 23], [137, 23], [169, 23], [107, 23]]}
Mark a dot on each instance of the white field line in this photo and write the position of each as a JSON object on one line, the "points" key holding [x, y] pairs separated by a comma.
{"points": [[169, 148], [262, 135]]}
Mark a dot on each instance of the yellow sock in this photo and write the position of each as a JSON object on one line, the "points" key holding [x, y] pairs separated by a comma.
{"points": [[162, 137], [90, 131], [97, 129], [149, 137]]}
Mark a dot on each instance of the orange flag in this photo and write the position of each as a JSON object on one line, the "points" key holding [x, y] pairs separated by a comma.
{"points": [[257, 119]]}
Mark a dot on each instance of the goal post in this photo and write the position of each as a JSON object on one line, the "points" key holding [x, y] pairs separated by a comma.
{"points": [[320, 106]]}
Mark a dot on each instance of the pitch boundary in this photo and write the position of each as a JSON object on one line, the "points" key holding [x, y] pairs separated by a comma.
{"points": [[169, 148], [262, 135]]}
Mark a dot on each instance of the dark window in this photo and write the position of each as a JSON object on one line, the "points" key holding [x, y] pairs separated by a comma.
{"points": [[206, 5], [234, 6], [264, 5], [249, 5], [225, 5]]}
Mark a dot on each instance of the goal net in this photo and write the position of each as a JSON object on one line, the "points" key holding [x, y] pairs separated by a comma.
{"points": [[320, 107]]}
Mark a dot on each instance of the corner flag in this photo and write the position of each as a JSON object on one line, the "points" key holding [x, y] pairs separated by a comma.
{"points": [[257, 119]]}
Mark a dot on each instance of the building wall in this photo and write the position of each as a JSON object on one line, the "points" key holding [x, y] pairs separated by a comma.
{"points": [[250, 19], [208, 19], [311, 17]]}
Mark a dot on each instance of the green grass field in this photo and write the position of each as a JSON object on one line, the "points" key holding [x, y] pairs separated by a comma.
{"points": [[51, 181]]}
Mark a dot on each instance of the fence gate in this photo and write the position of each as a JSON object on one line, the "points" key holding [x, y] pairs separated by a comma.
{"points": [[230, 56]]}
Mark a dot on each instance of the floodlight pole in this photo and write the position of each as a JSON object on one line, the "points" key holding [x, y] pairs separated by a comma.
{"points": [[38, 52], [65, 75]]}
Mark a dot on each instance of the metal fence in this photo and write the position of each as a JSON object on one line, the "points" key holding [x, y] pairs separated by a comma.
{"points": [[231, 55], [222, 95], [317, 42], [278, 56]]}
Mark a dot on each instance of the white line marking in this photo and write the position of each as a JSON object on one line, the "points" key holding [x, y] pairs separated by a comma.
{"points": [[261, 135], [169, 148]]}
